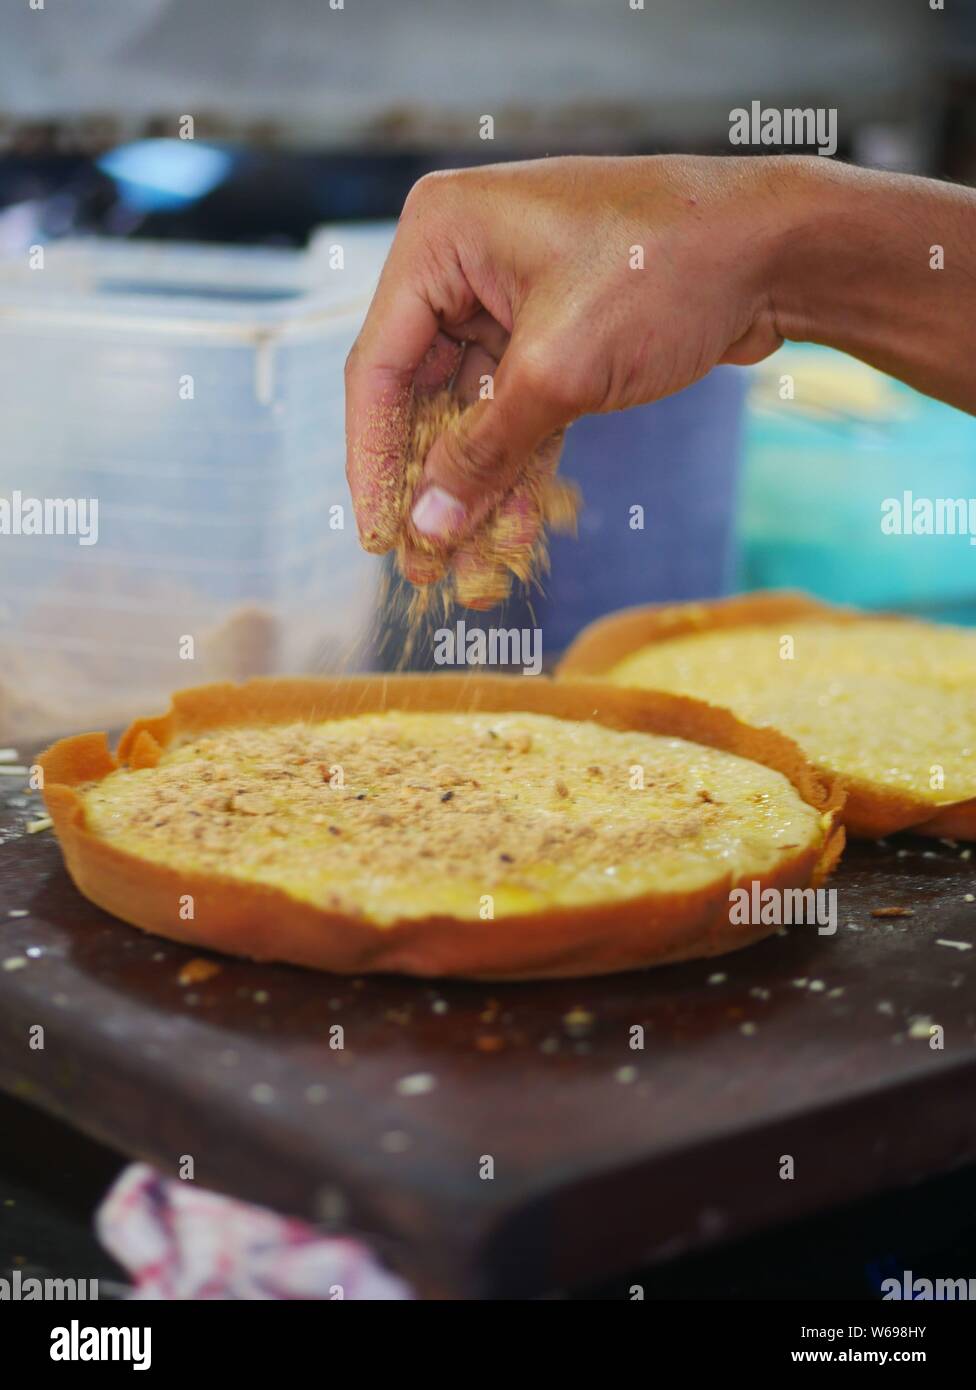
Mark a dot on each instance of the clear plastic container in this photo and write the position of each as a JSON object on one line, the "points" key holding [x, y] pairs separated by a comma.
{"points": [[196, 393]]}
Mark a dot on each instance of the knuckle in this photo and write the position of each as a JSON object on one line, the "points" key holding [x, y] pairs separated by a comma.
{"points": [[430, 188], [550, 382]]}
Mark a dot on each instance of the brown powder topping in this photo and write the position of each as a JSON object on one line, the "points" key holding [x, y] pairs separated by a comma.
{"points": [[434, 809], [510, 543]]}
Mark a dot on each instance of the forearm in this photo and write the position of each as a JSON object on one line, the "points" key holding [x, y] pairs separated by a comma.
{"points": [[579, 286], [854, 267]]}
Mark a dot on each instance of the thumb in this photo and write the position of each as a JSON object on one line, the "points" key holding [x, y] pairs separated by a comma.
{"points": [[467, 473]]}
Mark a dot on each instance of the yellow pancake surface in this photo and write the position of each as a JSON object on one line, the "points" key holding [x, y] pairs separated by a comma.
{"points": [[889, 701], [406, 815]]}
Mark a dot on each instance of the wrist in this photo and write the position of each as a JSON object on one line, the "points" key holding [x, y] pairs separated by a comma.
{"points": [[823, 245], [852, 265]]}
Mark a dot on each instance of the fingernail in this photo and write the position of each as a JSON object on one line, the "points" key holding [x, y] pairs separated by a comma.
{"points": [[438, 514]]}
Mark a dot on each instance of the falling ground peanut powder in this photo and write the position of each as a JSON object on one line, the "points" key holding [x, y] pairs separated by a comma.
{"points": [[510, 543]]}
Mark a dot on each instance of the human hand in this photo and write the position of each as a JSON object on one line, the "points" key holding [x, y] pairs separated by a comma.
{"points": [[576, 285]]}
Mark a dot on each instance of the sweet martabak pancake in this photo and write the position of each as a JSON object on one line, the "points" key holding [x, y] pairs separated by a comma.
{"points": [[887, 705], [484, 827]]}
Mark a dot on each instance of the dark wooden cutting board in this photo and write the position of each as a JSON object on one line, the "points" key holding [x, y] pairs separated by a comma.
{"points": [[604, 1158]]}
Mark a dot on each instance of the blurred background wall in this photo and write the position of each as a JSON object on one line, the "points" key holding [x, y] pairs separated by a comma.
{"points": [[378, 69], [405, 84]]}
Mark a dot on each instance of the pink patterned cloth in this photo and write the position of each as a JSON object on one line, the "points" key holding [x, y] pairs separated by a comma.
{"points": [[179, 1241]]}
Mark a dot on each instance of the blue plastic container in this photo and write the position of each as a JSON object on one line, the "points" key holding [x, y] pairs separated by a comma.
{"points": [[678, 460]]}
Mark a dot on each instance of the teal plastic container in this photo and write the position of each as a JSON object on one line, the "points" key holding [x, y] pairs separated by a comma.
{"points": [[818, 470]]}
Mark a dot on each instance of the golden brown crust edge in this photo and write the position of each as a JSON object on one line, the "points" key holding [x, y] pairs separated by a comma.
{"points": [[267, 924], [608, 640], [871, 810]]}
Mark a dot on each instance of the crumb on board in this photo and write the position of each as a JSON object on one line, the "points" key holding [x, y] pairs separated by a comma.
{"points": [[892, 912], [578, 1021], [419, 1084], [195, 971], [395, 1141]]}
